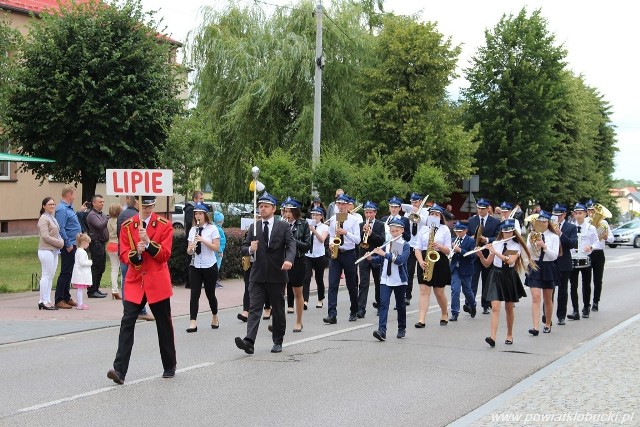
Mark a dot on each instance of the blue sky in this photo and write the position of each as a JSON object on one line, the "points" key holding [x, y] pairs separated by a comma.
{"points": [[599, 37]]}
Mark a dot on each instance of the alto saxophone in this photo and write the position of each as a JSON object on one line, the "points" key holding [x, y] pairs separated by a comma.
{"points": [[337, 241], [432, 256]]}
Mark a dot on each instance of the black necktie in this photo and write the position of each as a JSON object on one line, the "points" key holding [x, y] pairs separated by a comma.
{"points": [[414, 228], [265, 233], [389, 267], [579, 228], [482, 222], [199, 244], [504, 248]]}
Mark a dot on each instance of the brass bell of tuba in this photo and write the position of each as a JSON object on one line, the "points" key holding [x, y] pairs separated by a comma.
{"points": [[599, 215]]}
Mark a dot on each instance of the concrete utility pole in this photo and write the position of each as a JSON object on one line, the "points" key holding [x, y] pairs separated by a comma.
{"points": [[317, 98]]}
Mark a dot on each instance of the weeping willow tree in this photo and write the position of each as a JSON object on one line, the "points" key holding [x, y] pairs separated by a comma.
{"points": [[255, 79]]}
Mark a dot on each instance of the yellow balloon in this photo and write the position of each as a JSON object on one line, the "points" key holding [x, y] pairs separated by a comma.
{"points": [[252, 186]]}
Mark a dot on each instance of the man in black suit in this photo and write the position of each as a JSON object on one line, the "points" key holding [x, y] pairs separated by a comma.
{"points": [[275, 251], [484, 228], [568, 234], [375, 234]]}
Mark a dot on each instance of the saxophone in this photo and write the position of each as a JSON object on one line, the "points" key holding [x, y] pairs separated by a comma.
{"points": [[432, 256], [337, 241]]}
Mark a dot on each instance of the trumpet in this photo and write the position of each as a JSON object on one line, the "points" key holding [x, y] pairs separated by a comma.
{"points": [[456, 243], [415, 216], [369, 253], [481, 248], [364, 244]]}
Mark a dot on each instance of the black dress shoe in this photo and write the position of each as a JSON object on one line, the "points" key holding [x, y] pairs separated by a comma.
{"points": [[379, 335], [243, 318], [419, 325], [508, 342], [594, 307], [116, 376], [407, 301], [244, 345], [574, 316], [561, 322], [360, 314], [270, 328], [401, 333], [444, 322], [534, 332], [96, 295], [546, 330], [375, 304], [194, 329], [100, 292], [474, 311], [454, 317], [353, 317], [277, 348], [485, 310], [466, 308], [331, 320], [490, 341], [585, 312], [169, 373]]}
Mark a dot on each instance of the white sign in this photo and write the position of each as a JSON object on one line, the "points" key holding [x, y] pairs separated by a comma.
{"points": [[139, 182]]}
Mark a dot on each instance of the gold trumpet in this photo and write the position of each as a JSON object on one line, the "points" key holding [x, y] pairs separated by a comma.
{"points": [[364, 244], [415, 216]]}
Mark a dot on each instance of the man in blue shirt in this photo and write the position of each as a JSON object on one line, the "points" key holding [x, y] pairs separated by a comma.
{"points": [[69, 229]]}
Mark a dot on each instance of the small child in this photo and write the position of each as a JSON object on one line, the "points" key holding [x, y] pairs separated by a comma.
{"points": [[218, 219], [393, 279], [81, 277]]}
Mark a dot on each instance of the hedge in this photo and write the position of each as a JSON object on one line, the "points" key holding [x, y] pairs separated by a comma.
{"points": [[231, 263]]}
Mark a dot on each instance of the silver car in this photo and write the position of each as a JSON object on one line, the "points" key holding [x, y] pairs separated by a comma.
{"points": [[627, 234]]}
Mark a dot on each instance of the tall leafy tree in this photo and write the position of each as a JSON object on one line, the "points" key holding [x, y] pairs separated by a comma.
{"points": [[255, 84], [10, 40], [515, 94], [95, 90], [409, 120]]}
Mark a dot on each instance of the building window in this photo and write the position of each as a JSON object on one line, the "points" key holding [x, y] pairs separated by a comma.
{"points": [[5, 167]]}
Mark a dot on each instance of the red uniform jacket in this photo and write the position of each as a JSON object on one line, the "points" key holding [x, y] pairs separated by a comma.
{"points": [[148, 275]]}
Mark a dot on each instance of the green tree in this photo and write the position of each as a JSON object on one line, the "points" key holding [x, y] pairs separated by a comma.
{"points": [[515, 95], [283, 174], [409, 120], [254, 84], [94, 91], [10, 41]]}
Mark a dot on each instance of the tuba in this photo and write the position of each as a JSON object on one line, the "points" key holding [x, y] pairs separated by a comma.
{"points": [[599, 215], [432, 256]]}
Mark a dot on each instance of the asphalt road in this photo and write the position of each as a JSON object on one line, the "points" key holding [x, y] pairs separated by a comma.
{"points": [[326, 375]]}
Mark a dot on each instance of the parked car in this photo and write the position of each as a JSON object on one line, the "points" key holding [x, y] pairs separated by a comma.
{"points": [[627, 234]]}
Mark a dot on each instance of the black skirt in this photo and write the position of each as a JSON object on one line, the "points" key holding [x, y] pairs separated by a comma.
{"points": [[503, 284], [546, 276], [297, 272], [441, 272]]}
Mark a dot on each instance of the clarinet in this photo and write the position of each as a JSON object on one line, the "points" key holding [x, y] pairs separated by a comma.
{"points": [[193, 255]]}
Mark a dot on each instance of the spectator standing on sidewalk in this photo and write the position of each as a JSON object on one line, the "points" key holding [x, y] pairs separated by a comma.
{"points": [[112, 248], [69, 229], [48, 250], [81, 277], [218, 219], [97, 225]]}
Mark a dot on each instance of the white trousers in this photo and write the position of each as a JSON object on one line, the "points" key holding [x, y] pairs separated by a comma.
{"points": [[115, 270], [49, 262]]}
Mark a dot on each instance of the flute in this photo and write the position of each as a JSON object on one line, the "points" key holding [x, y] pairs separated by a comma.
{"points": [[487, 245], [368, 254]]}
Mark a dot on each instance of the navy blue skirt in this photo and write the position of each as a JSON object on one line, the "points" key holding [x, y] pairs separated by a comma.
{"points": [[547, 276], [503, 284]]}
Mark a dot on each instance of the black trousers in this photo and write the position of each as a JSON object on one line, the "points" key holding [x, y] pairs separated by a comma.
{"points": [[258, 292], [198, 276], [366, 270], [478, 271], [162, 312], [597, 264], [246, 303], [98, 261], [63, 285], [315, 267], [563, 294], [586, 287], [411, 270]]}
